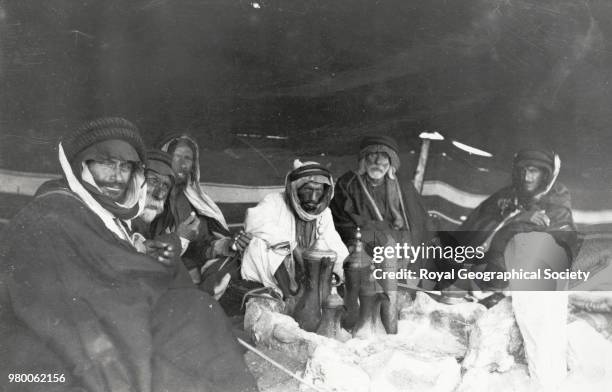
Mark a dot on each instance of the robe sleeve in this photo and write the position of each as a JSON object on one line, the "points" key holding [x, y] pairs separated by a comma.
{"points": [[259, 263], [199, 249], [333, 240]]}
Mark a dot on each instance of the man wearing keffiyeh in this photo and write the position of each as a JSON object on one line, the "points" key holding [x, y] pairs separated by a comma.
{"points": [[373, 199], [285, 224], [78, 297], [189, 206]]}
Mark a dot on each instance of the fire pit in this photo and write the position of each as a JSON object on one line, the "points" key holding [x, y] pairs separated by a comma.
{"points": [[438, 347]]}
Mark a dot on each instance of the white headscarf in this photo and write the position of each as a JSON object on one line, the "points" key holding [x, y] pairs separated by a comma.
{"points": [[199, 200], [292, 187], [136, 194]]}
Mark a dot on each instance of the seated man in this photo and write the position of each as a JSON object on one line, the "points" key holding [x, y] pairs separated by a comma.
{"points": [[535, 202], [373, 199], [188, 201], [79, 301], [160, 241], [529, 226], [285, 224]]}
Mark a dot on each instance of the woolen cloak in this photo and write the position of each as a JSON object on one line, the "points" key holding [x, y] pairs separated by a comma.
{"points": [[75, 299], [351, 208]]}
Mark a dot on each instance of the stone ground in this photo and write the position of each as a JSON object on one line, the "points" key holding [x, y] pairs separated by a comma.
{"points": [[269, 378], [397, 363]]}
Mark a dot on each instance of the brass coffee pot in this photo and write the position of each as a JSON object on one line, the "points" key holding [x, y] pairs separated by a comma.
{"points": [[318, 264]]}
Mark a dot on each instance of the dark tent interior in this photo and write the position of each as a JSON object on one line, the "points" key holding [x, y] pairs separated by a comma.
{"points": [[260, 83]]}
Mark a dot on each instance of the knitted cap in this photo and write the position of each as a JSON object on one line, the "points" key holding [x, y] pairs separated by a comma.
{"points": [[379, 143], [378, 140], [106, 128], [160, 162], [539, 158]]}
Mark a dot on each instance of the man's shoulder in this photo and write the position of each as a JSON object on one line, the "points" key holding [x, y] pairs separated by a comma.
{"points": [[56, 193], [273, 198], [53, 207], [270, 202], [558, 196], [347, 178]]}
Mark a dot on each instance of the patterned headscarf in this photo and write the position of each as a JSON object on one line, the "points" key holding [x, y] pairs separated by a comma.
{"points": [[301, 174]]}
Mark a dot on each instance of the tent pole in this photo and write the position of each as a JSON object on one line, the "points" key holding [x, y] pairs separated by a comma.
{"points": [[421, 166]]}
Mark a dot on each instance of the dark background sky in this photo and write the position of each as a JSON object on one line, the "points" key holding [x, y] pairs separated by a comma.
{"points": [[496, 74]]}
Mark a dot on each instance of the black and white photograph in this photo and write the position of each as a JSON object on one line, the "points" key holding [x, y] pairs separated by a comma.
{"points": [[305, 195]]}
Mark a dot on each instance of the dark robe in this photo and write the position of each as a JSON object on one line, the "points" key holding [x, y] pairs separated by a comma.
{"points": [[351, 208], [176, 211], [491, 212], [75, 299], [496, 213]]}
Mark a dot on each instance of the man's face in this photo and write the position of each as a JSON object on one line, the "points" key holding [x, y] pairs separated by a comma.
{"points": [[182, 162], [112, 177], [158, 187], [377, 164], [310, 195], [531, 179]]}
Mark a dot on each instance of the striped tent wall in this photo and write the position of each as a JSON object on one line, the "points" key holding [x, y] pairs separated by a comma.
{"points": [[447, 202]]}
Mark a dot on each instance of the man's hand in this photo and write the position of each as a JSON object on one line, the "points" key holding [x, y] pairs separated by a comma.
{"points": [[537, 217], [189, 228], [227, 246], [241, 241], [160, 251]]}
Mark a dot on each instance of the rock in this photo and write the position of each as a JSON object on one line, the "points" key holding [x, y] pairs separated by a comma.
{"points": [[287, 333], [420, 337], [601, 322], [395, 371], [457, 318], [268, 377], [255, 308], [427, 324], [595, 256], [335, 371], [495, 340], [515, 379], [269, 328], [589, 353], [589, 358], [600, 301]]}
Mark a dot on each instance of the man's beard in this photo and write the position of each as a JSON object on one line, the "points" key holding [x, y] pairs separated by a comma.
{"points": [[114, 190], [376, 172], [152, 210], [525, 193], [182, 178], [310, 207]]}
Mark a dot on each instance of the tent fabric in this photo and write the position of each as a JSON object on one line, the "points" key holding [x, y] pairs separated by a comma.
{"points": [[78, 300]]}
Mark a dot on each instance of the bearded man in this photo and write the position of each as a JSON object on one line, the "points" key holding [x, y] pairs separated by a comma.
{"points": [[528, 226], [77, 298], [535, 202], [187, 201], [159, 240], [373, 199], [285, 224]]}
